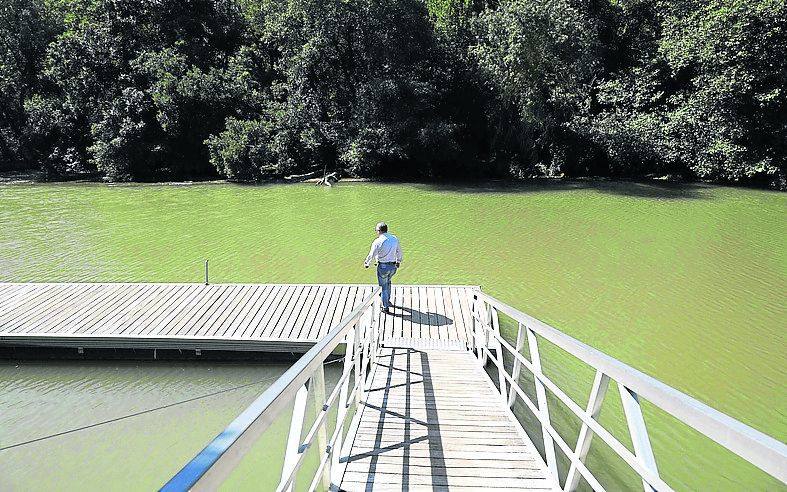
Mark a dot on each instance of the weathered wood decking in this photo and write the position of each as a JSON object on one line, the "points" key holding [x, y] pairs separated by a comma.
{"points": [[433, 420], [262, 317], [429, 416]]}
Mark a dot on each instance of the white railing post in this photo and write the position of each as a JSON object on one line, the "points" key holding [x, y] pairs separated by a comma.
{"points": [[639, 432], [294, 436], [520, 342], [341, 413], [474, 320], [596, 398], [368, 345], [483, 338], [495, 325], [359, 377], [318, 383], [541, 396]]}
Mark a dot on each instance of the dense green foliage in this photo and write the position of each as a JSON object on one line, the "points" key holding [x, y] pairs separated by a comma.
{"points": [[253, 89]]}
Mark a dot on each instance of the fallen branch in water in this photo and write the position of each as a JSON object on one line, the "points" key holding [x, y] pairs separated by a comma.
{"points": [[329, 179], [302, 177]]}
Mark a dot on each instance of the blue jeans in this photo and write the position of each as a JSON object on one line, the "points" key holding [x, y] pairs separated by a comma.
{"points": [[386, 271]]}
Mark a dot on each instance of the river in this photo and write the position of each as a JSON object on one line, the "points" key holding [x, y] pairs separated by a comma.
{"points": [[687, 283]]}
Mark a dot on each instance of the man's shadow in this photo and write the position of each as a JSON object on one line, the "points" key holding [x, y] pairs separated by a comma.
{"points": [[416, 316]]}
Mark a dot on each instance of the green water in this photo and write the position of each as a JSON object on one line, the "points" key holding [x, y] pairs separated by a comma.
{"points": [[688, 284]]}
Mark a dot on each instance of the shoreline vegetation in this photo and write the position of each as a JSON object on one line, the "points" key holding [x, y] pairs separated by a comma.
{"points": [[443, 90], [667, 184]]}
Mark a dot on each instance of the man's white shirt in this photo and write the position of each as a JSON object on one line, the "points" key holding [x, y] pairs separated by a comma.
{"points": [[385, 249]]}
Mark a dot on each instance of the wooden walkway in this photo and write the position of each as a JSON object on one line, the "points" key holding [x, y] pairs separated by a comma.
{"points": [[433, 420], [262, 317]]}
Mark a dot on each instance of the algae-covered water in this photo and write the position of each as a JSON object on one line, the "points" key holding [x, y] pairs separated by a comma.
{"points": [[686, 283]]}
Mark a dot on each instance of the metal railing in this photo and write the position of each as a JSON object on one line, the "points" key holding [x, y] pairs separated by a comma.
{"points": [[215, 462], [763, 451]]}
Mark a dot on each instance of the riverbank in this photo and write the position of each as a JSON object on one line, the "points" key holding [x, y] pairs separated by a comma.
{"points": [[665, 183]]}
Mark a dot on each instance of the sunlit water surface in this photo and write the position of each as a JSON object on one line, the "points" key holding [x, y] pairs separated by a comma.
{"points": [[685, 283]]}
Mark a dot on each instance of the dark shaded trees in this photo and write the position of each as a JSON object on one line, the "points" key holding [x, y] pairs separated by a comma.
{"points": [[701, 91], [358, 85], [252, 89]]}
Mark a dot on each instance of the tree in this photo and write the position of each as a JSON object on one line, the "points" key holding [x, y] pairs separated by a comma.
{"points": [[705, 95]]}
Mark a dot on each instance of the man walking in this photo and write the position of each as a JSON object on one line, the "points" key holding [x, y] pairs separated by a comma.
{"points": [[388, 253]]}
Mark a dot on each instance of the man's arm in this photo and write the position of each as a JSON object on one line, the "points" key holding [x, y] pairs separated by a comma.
{"points": [[372, 254], [398, 253]]}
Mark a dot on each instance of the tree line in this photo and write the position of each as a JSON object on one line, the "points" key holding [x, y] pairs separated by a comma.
{"points": [[427, 89]]}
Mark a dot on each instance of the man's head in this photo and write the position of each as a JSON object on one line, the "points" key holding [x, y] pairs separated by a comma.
{"points": [[381, 228]]}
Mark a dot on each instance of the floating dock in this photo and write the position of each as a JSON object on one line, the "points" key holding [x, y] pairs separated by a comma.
{"points": [[234, 317]]}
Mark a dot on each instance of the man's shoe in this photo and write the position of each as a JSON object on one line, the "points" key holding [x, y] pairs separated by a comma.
{"points": [[384, 310]]}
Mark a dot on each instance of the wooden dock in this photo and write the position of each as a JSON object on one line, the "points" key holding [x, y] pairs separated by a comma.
{"points": [[424, 413], [432, 420], [238, 317]]}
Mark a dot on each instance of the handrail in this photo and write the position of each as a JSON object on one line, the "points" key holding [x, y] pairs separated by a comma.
{"points": [[763, 451], [208, 469]]}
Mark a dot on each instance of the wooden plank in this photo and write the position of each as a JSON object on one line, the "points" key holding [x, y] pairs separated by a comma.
{"points": [[272, 321], [459, 425], [427, 460], [8, 290], [322, 321], [62, 310], [447, 481], [216, 317], [116, 308], [292, 313], [192, 317], [352, 297], [254, 327], [108, 323], [427, 467], [30, 294], [410, 328], [21, 294], [283, 313], [157, 304], [398, 321], [78, 309], [175, 320], [445, 298], [435, 328], [261, 319], [160, 321], [316, 310], [315, 319], [100, 310], [40, 321], [213, 317], [128, 321], [341, 302], [428, 320], [398, 487], [26, 301], [465, 303], [23, 306], [226, 321], [239, 324], [297, 316], [486, 459], [456, 310], [420, 324]]}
